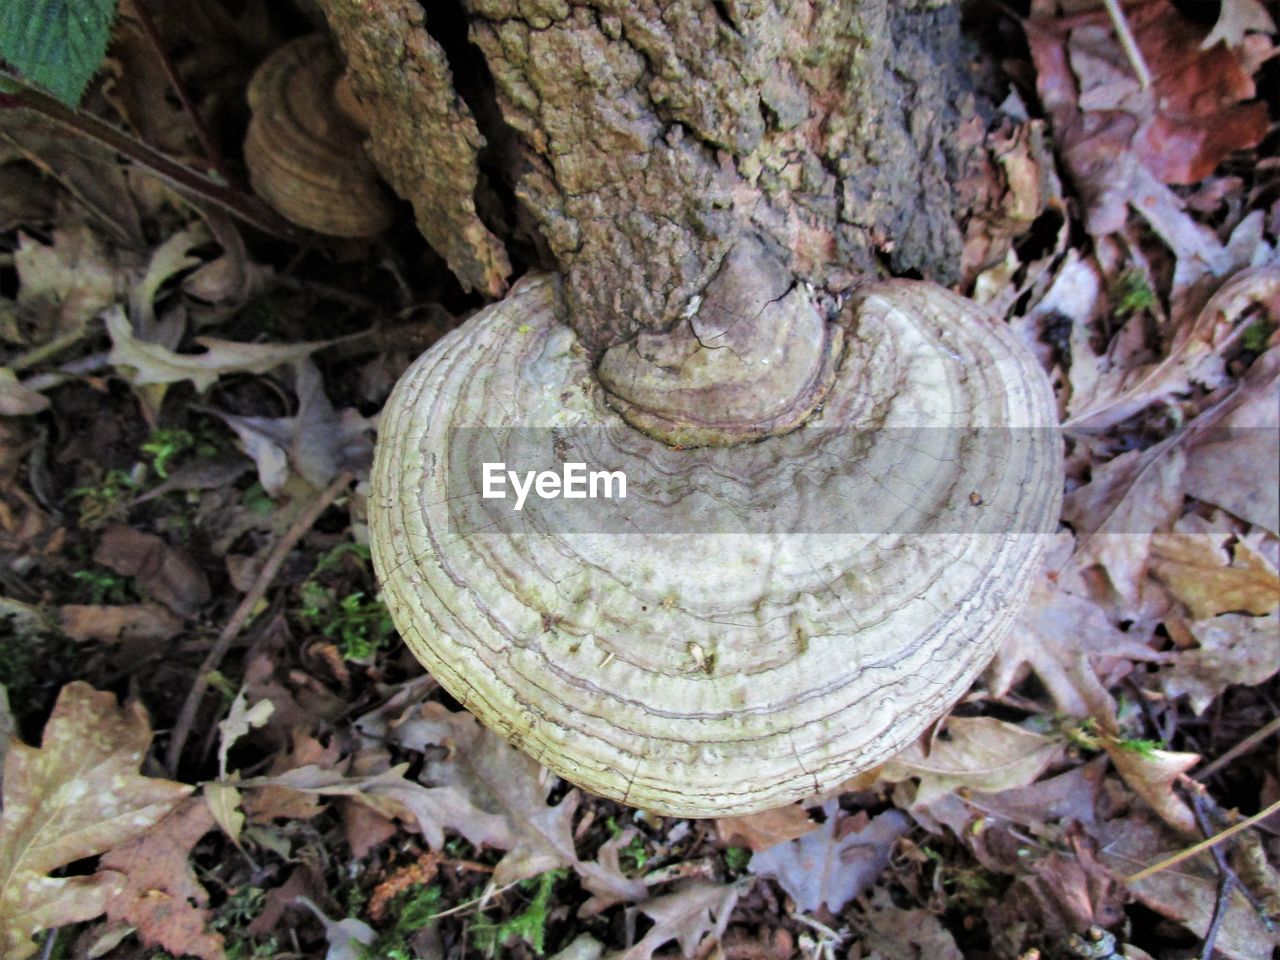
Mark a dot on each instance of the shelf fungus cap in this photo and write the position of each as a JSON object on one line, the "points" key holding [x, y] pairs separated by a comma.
{"points": [[750, 624], [305, 144]]}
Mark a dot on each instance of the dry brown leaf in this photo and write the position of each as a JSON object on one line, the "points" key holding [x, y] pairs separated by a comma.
{"points": [[72, 279], [889, 932], [1107, 125], [434, 809], [1065, 639], [836, 862], [1068, 796], [1058, 894], [1120, 389], [117, 624], [78, 795], [169, 574], [1234, 461], [1187, 892], [760, 831], [501, 778], [1197, 570], [980, 753], [270, 803], [692, 912], [1232, 649], [1114, 515], [1151, 774], [161, 898]]}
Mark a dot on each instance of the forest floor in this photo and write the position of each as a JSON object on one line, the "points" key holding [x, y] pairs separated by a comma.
{"points": [[222, 749]]}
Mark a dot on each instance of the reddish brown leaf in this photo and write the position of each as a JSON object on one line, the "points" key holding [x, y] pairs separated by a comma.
{"points": [[167, 573], [161, 897]]}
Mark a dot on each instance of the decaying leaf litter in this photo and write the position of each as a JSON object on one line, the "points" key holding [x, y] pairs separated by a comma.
{"points": [[188, 415]]}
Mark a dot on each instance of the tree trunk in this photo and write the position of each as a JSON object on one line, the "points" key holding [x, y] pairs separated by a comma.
{"points": [[630, 145]]}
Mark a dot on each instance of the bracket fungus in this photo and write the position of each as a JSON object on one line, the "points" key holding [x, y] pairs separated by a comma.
{"points": [[304, 147], [830, 524]]}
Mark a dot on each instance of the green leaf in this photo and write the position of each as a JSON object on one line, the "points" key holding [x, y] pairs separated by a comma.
{"points": [[56, 44]]}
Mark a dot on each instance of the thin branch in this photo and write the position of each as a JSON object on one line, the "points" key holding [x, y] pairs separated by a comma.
{"points": [[1244, 746], [245, 206], [1202, 846], [1225, 885], [1129, 43], [305, 521], [211, 151]]}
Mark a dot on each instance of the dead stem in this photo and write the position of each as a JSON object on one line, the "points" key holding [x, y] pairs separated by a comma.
{"points": [[306, 520]]}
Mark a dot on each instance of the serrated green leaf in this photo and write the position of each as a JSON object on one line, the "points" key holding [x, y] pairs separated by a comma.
{"points": [[56, 44]]}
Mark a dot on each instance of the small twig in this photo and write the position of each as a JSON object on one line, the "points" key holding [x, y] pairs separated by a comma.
{"points": [[305, 521], [471, 903], [1225, 885], [1127, 41], [1202, 846], [175, 81], [1244, 746], [44, 351], [247, 207], [50, 939]]}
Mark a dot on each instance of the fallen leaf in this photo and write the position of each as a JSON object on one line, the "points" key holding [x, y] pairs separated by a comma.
{"points": [[889, 932], [1151, 774], [833, 864], [1068, 796], [980, 753], [90, 172], [1119, 390], [1064, 639], [161, 897], [433, 809], [1107, 125], [760, 831], [1232, 649], [1186, 892], [497, 777], [1235, 19], [72, 278], [167, 573], [1114, 515], [692, 912], [240, 719], [1058, 894], [78, 795], [223, 799], [347, 938], [1197, 570], [117, 624], [317, 442], [144, 363], [271, 803], [17, 400], [1234, 461]]}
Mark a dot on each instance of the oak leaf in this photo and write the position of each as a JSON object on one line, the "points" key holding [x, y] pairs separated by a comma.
{"points": [[78, 795], [162, 899], [834, 863], [980, 753], [143, 362], [688, 915]]}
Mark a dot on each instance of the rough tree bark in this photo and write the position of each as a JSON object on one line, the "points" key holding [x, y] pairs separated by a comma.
{"points": [[629, 144]]}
